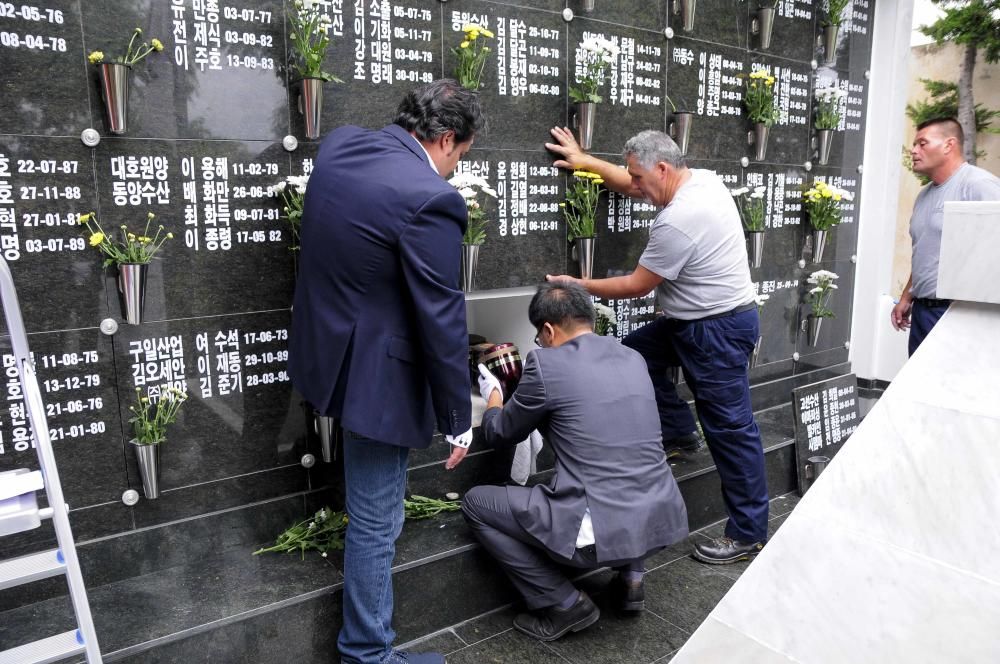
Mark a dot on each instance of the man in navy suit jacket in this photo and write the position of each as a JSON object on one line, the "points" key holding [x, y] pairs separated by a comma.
{"points": [[379, 339]]}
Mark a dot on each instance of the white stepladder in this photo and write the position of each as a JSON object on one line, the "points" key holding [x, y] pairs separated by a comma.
{"points": [[19, 511]]}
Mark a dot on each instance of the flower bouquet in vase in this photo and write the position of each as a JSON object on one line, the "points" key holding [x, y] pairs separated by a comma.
{"points": [[131, 253], [604, 320], [150, 418], [818, 298], [753, 213], [292, 192], [113, 74], [593, 56], [680, 124], [833, 16], [828, 115], [310, 37], [580, 212], [471, 54], [822, 203], [469, 186], [761, 109]]}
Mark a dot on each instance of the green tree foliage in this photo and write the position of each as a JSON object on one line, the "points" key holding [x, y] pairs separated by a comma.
{"points": [[973, 25]]}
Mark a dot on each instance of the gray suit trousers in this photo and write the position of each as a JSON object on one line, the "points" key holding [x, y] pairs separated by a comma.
{"points": [[532, 568]]}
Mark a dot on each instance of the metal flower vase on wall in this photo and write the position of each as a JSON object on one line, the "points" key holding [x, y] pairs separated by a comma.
{"points": [[588, 6], [824, 139], [147, 456], [755, 355], [685, 9], [819, 244], [755, 247], [680, 129], [470, 259], [812, 328], [758, 139], [829, 41], [763, 26], [325, 431], [311, 105], [583, 252], [584, 115], [114, 91], [132, 291]]}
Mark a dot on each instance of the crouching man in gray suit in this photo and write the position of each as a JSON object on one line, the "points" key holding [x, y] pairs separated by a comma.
{"points": [[612, 500]]}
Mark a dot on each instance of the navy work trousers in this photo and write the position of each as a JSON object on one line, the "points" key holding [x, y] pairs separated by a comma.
{"points": [[714, 354], [922, 321]]}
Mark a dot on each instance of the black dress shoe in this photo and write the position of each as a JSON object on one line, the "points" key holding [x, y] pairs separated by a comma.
{"points": [[629, 596], [724, 550], [551, 623], [691, 442]]}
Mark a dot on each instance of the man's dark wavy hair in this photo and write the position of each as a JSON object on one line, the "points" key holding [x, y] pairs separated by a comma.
{"points": [[441, 106]]}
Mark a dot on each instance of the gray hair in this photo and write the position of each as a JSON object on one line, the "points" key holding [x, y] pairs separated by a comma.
{"points": [[651, 147]]}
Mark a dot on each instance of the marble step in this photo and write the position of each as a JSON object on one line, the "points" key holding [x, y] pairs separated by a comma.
{"points": [[168, 608]]}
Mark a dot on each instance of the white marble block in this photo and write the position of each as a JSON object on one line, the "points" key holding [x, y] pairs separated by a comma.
{"points": [[970, 252]]}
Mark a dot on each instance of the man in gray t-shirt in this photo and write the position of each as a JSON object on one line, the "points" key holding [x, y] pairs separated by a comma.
{"points": [[936, 153], [696, 260]]}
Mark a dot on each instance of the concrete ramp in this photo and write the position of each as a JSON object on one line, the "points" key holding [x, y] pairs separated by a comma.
{"points": [[894, 553]]}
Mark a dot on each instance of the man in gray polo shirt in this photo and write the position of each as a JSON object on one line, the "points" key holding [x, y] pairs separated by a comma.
{"points": [[937, 154], [696, 260]]}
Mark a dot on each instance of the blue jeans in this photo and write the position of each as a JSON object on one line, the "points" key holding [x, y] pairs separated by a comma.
{"points": [[922, 321], [675, 417], [375, 478], [714, 355]]}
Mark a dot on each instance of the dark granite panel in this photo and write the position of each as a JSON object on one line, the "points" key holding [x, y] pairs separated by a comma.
{"points": [[824, 363], [43, 39], [647, 14], [718, 21], [783, 217], [153, 606], [380, 56], [623, 231], [427, 598], [210, 59], [487, 467], [146, 550], [779, 319], [445, 643], [524, 79], [765, 374], [617, 639], [792, 35], [525, 233], [305, 633], [230, 250], [789, 139], [242, 415], [76, 375], [45, 184], [633, 92], [705, 80]]}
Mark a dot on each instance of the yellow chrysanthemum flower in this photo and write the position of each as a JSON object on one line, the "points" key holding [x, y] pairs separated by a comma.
{"points": [[770, 79], [769, 83], [84, 218], [827, 193], [837, 197], [157, 44], [96, 57], [464, 44], [96, 239], [170, 236], [598, 180], [581, 174], [487, 33]]}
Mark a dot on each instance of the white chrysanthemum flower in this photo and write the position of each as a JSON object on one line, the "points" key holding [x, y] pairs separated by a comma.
{"points": [[489, 190], [467, 192], [759, 190], [757, 194], [740, 191], [277, 188], [818, 289]]}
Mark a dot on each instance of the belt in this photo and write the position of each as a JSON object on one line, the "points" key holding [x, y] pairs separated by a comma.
{"points": [[931, 302], [732, 312]]}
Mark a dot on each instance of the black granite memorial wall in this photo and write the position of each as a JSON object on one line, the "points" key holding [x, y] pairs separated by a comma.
{"points": [[207, 120]]}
